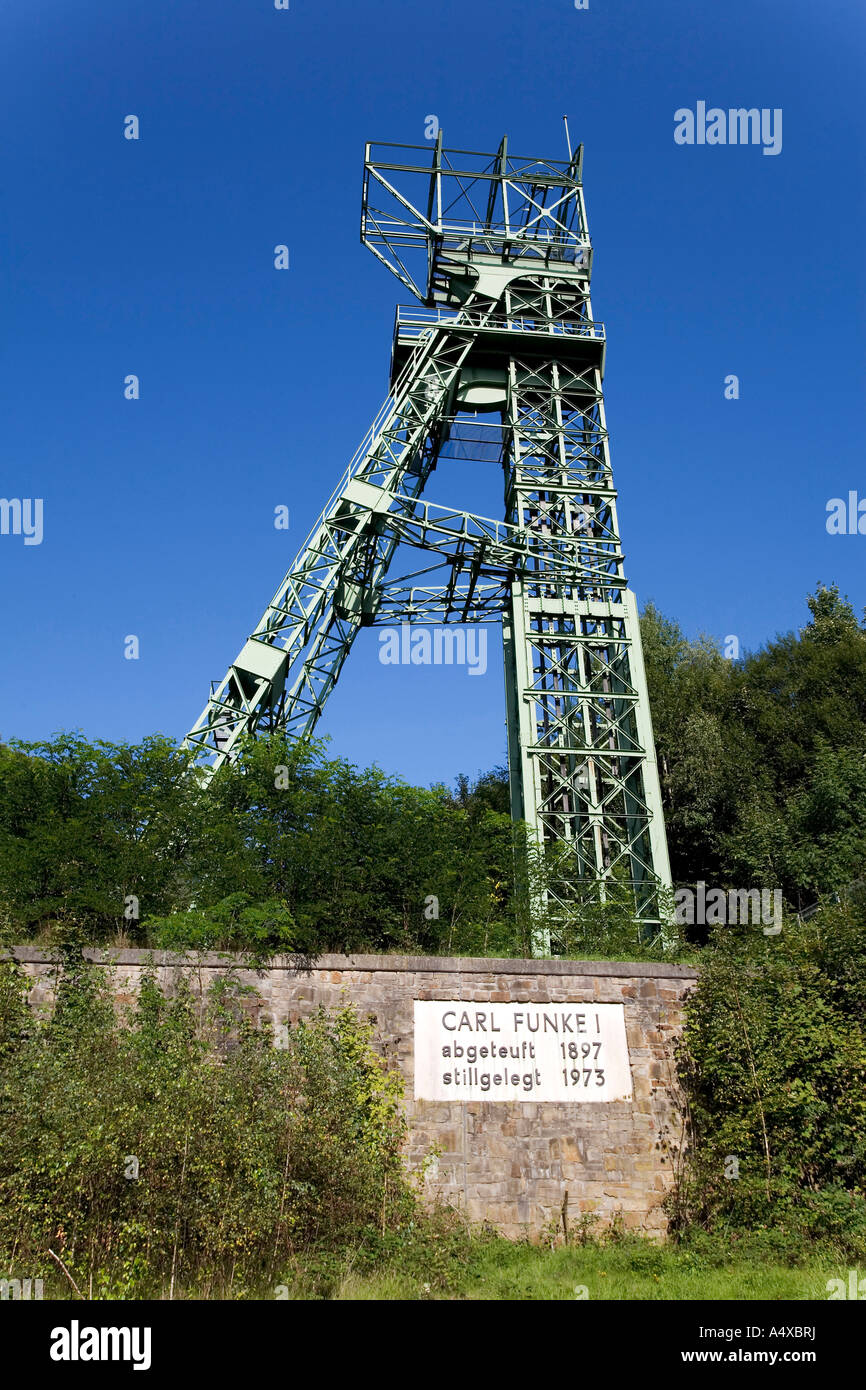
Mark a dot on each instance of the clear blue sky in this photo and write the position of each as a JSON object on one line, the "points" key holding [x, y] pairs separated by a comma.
{"points": [[155, 257]]}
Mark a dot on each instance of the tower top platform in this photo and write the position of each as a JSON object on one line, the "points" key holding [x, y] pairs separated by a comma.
{"points": [[448, 221]]}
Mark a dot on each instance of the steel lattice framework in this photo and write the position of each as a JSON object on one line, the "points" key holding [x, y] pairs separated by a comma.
{"points": [[503, 359]]}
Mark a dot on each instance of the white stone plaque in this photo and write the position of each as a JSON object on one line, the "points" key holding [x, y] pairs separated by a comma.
{"points": [[530, 1052]]}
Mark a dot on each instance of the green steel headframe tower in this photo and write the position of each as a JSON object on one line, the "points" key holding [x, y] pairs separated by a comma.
{"points": [[504, 360]]}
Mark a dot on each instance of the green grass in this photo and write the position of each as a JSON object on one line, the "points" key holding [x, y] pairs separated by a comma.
{"points": [[453, 1265], [491, 1268]]}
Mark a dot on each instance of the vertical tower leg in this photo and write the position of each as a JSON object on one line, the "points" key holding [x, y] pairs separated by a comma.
{"points": [[581, 758]]}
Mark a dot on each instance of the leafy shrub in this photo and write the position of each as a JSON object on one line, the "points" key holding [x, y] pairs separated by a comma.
{"points": [[178, 1149], [773, 1064], [233, 924]]}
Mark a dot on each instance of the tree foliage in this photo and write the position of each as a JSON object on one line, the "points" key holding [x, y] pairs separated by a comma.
{"points": [[763, 760], [284, 850]]}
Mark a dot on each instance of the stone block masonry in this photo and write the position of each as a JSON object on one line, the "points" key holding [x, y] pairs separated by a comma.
{"points": [[509, 1162]]}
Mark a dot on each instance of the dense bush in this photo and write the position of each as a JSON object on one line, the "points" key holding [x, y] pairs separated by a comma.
{"points": [[178, 1150], [773, 1064]]}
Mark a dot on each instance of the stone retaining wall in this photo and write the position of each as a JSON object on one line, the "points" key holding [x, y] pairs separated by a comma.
{"points": [[510, 1163]]}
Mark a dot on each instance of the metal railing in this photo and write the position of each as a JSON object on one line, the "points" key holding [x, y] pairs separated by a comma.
{"points": [[410, 323]]}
